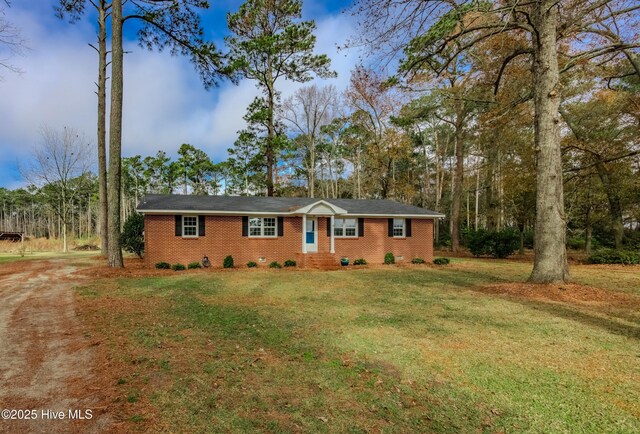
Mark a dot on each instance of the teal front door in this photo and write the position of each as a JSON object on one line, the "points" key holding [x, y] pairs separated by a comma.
{"points": [[311, 238]]}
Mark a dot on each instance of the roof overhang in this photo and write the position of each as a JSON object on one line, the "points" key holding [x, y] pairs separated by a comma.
{"points": [[343, 213]]}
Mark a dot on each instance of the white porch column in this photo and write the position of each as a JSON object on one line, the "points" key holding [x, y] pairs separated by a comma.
{"points": [[333, 243], [304, 233]]}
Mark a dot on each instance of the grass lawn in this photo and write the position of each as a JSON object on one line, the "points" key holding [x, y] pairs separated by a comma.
{"points": [[415, 349]]}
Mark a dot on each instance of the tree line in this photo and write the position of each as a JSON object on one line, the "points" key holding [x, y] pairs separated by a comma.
{"points": [[499, 114]]}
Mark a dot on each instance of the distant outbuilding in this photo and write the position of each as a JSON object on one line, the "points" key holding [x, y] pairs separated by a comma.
{"points": [[11, 236]]}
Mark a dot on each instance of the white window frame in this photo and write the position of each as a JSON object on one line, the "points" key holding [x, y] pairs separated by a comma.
{"points": [[343, 227], [262, 227], [404, 228], [197, 226]]}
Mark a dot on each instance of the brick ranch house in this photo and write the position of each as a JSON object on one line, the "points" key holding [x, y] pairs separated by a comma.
{"points": [[314, 232]]}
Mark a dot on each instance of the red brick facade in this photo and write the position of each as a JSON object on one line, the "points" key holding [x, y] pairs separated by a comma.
{"points": [[223, 236]]}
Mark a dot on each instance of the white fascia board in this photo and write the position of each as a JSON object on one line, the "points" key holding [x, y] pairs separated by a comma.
{"points": [[204, 212], [397, 216], [306, 209], [289, 213]]}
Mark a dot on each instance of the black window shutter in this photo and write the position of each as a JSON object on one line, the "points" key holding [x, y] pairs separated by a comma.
{"points": [[280, 226], [245, 226], [361, 227], [201, 226], [178, 226], [328, 226], [390, 228], [407, 228]]}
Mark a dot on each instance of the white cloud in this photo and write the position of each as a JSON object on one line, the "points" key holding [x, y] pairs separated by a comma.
{"points": [[164, 103]]}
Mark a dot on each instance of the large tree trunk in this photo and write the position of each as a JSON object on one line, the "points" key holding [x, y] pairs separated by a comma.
{"points": [[550, 262], [102, 136], [115, 136]]}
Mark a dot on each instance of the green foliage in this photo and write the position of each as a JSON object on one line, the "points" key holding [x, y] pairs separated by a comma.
{"points": [[290, 263], [228, 262], [611, 256], [424, 51], [441, 261], [178, 267], [252, 264], [194, 265], [132, 238], [389, 258], [163, 265], [576, 242], [499, 244], [417, 261], [632, 240], [360, 261], [275, 264], [269, 42]]}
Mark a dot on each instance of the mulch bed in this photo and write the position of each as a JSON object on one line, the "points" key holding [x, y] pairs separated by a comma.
{"points": [[571, 293]]}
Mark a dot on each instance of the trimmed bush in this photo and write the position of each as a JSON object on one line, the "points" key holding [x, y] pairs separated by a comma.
{"points": [[441, 261], [194, 265], [417, 261], [251, 264], [389, 259], [131, 237], [228, 262], [163, 265], [275, 264], [290, 263], [499, 244], [360, 261], [178, 267], [611, 256]]}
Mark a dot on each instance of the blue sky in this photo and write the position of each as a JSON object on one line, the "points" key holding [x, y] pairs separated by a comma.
{"points": [[165, 104]]}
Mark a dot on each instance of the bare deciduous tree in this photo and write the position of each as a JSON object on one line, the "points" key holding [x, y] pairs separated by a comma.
{"points": [[61, 157], [11, 44], [307, 111]]}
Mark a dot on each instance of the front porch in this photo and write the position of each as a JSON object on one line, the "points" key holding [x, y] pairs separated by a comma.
{"points": [[318, 261]]}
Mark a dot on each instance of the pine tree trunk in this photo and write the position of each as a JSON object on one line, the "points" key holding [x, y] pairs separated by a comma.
{"points": [[102, 134], [457, 187], [550, 262], [115, 136]]}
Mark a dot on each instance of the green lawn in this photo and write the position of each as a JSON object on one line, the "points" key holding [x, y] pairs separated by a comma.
{"points": [[416, 349]]}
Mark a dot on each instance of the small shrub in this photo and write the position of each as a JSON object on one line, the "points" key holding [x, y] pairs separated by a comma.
{"points": [[178, 267], [576, 243], [611, 256], [417, 261], [389, 258], [505, 243], [290, 263], [360, 261], [228, 262], [163, 265], [498, 244], [275, 264], [132, 238], [194, 265], [252, 264], [441, 261]]}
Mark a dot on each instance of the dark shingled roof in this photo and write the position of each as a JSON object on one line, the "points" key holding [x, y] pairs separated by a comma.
{"points": [[276, 205]]}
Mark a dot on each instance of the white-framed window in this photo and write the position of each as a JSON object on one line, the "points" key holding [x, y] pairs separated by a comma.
{"points": [[399, 228], [345, 227], [263, 227], [189, 226]]}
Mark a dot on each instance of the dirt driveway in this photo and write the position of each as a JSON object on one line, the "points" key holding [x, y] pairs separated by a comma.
{"points": [[47, 361]]}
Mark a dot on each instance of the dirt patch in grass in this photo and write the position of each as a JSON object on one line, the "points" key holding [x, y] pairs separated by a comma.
{"points": [[571, 293]]}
